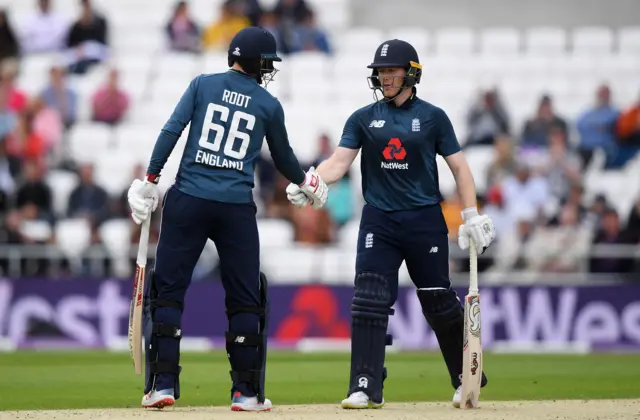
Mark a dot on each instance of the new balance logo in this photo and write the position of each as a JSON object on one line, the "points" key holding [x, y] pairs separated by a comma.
{"points": [[239, 339], [394, 152], [377, 124], [383, 51], [368, 240], [236, 52], [433, 250]]}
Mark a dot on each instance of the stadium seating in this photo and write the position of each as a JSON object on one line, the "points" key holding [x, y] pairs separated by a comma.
{"points": [[318, 93]]}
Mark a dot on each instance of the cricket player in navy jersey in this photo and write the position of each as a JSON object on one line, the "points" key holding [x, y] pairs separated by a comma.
{"points": [[230, 115], [399, 136]]}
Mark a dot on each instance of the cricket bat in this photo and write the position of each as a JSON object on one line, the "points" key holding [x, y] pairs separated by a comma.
{"points": [[472, 343], [135, 308]]}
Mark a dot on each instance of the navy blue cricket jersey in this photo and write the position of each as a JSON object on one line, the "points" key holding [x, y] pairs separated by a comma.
{"points": [[230, 115], [399, 147]]}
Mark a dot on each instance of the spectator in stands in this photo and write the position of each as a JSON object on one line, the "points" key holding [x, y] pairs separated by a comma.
{"points": [[110, 103], [519, 224], [44, 31], [504, 162], [611, 234], [574, 197], [278, 205], [309, 37], [218, 35], [34, 191], [295, 10], [523, 190], [182, 30], [88, 199], [312, 226], [9, 47], [562, 168], [252, 10], [10, 168], [47, 123], [289, 14], [87, 40], [25, 143], [8, 117], [633, 223], [16, 99], [340, 204], [597, 126], [536, 130], [487, 119], [628, 129], [61, 97], [561, 248]]}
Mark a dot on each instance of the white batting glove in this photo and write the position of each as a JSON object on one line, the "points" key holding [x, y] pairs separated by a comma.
{"points": [[478, 227], [296, 196], [315, 188], [143, 198]]}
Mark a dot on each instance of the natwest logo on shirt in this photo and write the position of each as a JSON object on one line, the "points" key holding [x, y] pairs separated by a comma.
{"points": [[393, 153]]}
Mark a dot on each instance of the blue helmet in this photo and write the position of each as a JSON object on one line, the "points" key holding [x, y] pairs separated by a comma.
{"points": [[255, 49], [396, 53]]}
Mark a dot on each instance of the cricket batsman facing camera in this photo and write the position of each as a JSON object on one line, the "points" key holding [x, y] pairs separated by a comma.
{"points": [[402, 220], [230, 115]]}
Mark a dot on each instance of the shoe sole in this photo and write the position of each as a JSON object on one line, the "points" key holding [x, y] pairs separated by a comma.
{"points": [[165, 402], [238, 408], [370, 405], [456, 404]]}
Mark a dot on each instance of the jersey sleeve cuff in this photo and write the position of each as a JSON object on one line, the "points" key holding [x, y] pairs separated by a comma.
{"points": [[153, 178]]}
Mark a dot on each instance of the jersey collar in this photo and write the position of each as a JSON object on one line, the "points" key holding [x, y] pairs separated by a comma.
{"points": [[239, 73], [406, 104]]}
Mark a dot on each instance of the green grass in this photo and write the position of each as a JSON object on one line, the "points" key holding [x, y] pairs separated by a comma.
{"points": [[37, 380]]}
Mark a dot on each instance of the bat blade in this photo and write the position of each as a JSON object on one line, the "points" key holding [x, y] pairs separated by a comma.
{"points": [[472, 353], [472, 342], [137, 300]]}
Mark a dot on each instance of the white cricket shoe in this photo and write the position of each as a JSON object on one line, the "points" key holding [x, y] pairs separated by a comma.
{"points": [[359, 400], [158, 399], [457, 397], [241, 403]]}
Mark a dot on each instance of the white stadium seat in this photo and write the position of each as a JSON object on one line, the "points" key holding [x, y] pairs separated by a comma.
{"points": [[500, 41], [592, 40], [455, 41], [629, 40], [545, 40], [62, 184]]}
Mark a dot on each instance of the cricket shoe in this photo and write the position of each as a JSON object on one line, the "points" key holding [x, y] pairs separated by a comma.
{"points": [[159, 399], [359, 400], [457, 397], [241, 403]]}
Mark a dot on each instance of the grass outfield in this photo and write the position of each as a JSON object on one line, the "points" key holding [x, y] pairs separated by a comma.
{"points": [[54, 380]]}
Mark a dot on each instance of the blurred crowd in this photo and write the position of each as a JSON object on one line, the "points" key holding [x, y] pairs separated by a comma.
{"points": [[535, 191], [535, 185]]}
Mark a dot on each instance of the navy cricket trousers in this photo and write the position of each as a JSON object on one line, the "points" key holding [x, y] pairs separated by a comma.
{"points": [[418, 237], [187, 223]]}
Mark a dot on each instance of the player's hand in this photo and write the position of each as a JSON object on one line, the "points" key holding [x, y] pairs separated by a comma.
{"points": [[296, 196], [315, 188], [478, 227], [143, 199]]}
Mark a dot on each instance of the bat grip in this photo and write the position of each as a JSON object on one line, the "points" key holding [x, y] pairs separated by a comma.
{"points": [[473, 266]]}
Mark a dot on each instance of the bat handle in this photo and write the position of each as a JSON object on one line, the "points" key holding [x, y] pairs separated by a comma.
{"points": [[473, 266]]}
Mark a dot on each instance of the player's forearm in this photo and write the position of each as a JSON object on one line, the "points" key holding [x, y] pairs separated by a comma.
{"points": [[331, 170], [466, 186], [161, 151]]}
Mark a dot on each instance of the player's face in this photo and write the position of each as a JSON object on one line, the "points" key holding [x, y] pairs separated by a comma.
{"points": [[391, 79]]}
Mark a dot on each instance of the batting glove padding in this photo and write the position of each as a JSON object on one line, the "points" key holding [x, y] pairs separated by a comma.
{"points": [[478, 227], [143, 199], [312, 191]]}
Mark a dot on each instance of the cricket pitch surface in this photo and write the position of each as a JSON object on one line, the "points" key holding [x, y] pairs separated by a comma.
{"points": [[500, 410]]}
